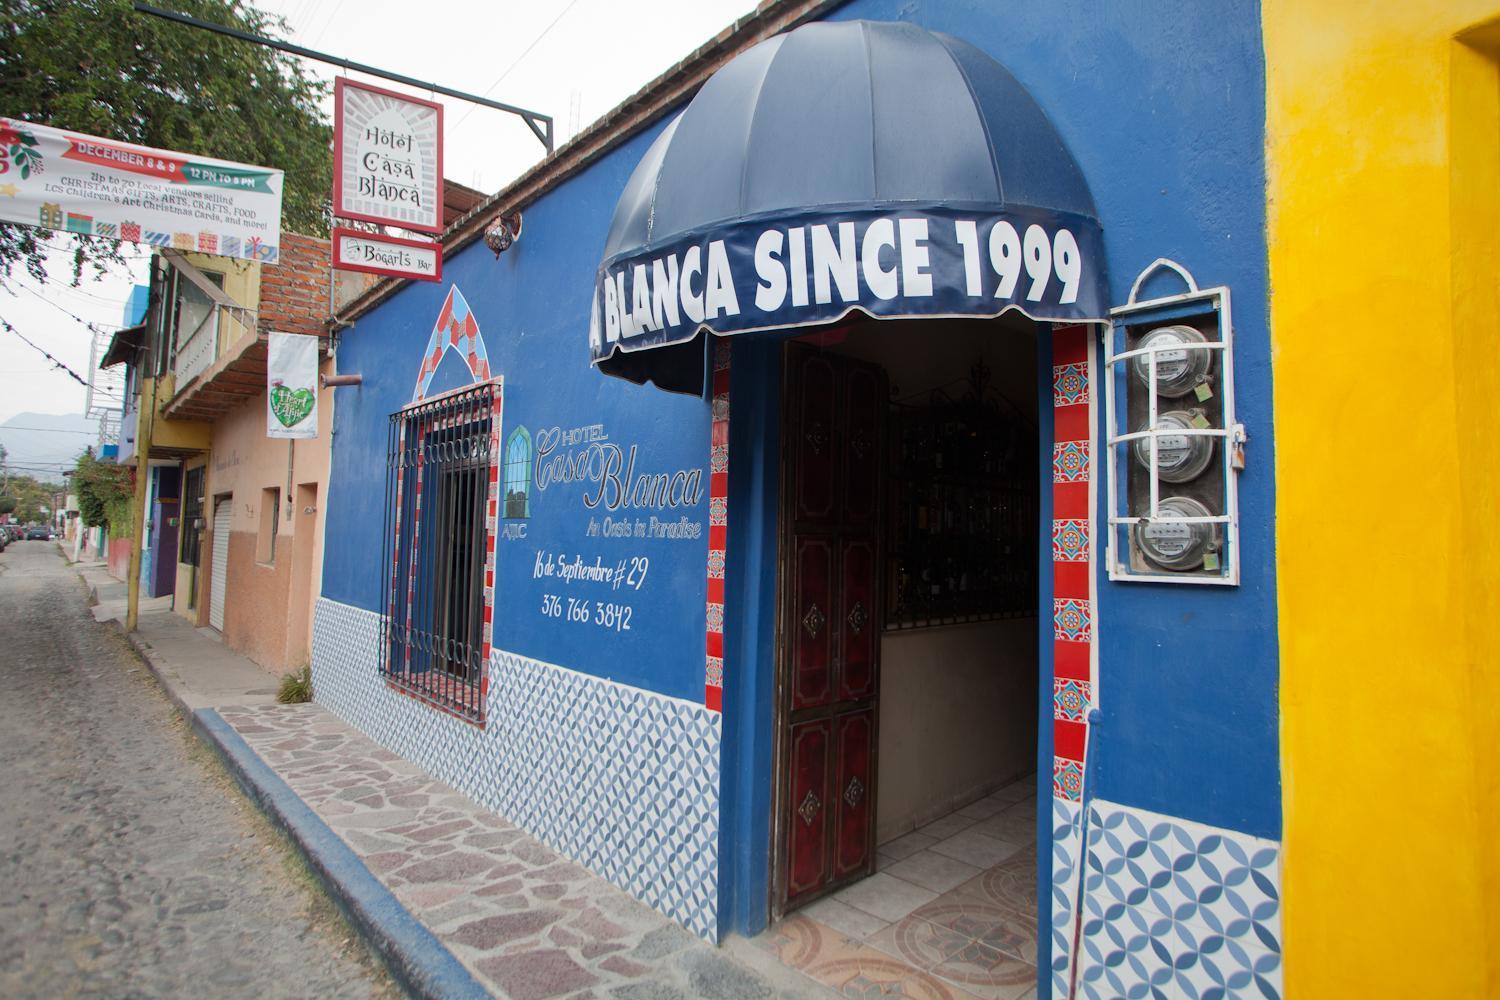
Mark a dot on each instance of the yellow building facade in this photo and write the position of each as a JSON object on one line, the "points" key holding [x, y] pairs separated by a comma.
{"points": [[1383, 170]]}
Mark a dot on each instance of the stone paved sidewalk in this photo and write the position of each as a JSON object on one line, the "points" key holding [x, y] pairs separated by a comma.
{"points": [[527, 922]]}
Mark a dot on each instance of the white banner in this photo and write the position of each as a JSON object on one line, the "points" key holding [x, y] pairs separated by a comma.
{"points": [[83, 184], [292, 386], [388, 157]]}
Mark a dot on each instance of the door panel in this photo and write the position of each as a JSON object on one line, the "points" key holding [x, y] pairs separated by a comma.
{"points": [[807, 854], [856, 620], [815, 447], [854, 743], [833, 455], [813, 629], [219, 579], [861, 451]]}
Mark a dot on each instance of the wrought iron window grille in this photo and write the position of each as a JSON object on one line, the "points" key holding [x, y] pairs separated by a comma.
{"points": [[442, 474]]}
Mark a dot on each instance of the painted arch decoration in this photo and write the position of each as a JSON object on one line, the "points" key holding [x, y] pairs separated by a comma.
{"points": [[456, 330]]}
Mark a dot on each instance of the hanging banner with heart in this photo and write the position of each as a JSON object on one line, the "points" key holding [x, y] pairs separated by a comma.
{"points": [[292, 386]]}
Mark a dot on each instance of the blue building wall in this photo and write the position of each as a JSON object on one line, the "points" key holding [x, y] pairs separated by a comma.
{"points": [[532, 308], [1164, 112]]}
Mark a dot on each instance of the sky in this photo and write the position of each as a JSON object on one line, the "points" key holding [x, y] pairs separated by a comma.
{"points": [[571, 59]]}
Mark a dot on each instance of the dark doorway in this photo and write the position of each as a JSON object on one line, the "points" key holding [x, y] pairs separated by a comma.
{"points": [[905, 818]]}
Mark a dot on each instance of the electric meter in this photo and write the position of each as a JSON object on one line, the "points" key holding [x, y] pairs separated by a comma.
{"points": [[1172, 544], [1175, 450], [1179, 457], [1178, 372]]}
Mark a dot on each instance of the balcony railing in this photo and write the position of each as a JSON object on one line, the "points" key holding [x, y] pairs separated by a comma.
{"points": [[197, 346], [201, 347]]}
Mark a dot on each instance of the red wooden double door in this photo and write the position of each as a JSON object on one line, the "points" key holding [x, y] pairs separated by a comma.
{"points": [[830, 633]]}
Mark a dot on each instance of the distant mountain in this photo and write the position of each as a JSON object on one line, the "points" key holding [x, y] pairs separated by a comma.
{"points": [[43, 444]]}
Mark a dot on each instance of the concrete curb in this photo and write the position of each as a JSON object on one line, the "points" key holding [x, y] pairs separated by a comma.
{"points": [[416, 959], [143, 650]]}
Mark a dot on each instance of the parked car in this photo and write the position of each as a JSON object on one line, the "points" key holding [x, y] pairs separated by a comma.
{"points": [[38, 535]]}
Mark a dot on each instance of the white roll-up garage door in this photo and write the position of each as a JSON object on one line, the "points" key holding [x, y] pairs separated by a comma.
{"points": [[218, 581]]}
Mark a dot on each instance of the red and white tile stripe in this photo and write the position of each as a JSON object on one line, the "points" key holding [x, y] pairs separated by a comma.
{"points": [[1073, 618], [718, 527]]}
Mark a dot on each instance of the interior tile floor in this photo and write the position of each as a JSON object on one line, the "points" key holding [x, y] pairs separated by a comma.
{"points": [[950, 912]]}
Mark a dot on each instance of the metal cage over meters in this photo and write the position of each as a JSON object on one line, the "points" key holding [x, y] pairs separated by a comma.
{"points": [[1174, 445]]}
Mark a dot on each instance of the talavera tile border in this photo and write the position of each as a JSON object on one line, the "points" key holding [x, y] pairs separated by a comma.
{"points": [[621, 780]]}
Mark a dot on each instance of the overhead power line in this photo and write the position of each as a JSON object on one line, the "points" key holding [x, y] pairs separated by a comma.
{"points": [[46, 430], [93, 327], [518, 60], [328, 23], [44, 352]]}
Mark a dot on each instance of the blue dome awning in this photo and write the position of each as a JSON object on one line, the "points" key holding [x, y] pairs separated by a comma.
{"points": [[843, 165]]}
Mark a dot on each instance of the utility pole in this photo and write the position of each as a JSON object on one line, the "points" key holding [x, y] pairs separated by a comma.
{"points": [[144, 420]]}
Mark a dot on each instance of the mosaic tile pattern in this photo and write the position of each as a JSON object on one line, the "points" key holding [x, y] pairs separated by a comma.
{"points": [[1070, 462], [1071, 620], [1070, 384], [1070, 540], [524, 920], [1067, 855], [1070, 699], [1176, 908], [1067, 779], [623, 781], [718, 527], [1074, 632]]}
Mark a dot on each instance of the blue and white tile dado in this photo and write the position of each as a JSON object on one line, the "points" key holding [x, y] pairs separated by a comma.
{"points": [[1067, 856], [1173, 908], [621, 780]]}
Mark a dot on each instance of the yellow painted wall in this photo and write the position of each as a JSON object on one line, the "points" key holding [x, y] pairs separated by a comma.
{"points": [[185, 435], [1383, 132]]}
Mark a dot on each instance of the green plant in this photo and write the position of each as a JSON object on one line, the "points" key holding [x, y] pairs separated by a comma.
{"points": [[106, 494], [296, 687]]}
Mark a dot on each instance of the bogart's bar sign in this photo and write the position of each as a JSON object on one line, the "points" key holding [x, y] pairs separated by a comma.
{"points": [[389, 169]]}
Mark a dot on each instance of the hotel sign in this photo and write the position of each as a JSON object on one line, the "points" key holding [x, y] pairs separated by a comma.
{"points": [[388, 158]]}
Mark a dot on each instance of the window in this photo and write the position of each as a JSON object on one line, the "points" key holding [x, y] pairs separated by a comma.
{"points": [[190, 309], [441, 489], [270, 517], [518, 474]]}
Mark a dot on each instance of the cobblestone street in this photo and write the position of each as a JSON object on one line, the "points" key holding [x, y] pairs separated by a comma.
{"points": [[131, 865]]}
